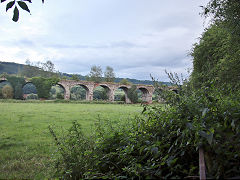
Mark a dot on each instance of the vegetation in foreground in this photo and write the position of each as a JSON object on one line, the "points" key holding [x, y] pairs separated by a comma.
{"points": [[164, 143], [25, 142]]}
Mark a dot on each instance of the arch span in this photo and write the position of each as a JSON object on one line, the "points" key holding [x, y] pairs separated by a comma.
{"points": [[86, 90], [104, 95], [125, 90]]}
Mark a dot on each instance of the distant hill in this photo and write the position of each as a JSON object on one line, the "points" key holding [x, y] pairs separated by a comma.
{"points": [[10, 68], [15, 68]]}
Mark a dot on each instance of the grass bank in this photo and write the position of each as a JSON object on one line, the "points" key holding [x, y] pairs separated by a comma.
{"points": [[25, 142]]}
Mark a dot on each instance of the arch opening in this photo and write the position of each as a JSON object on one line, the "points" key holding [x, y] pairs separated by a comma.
{"points": [[29, 91], [121, 94], [101, 93], [142, 94], [79, 92], [57, 92]]}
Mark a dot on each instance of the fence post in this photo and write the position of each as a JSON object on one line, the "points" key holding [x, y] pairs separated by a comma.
{"points": [[202, 168]]}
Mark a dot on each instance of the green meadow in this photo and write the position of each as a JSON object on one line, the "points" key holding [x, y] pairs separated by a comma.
{"points": [[26, 146]]}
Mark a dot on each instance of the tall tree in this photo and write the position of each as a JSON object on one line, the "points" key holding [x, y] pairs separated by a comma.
{"points": [[95, 74], [109, 74], [227, 11], [216, 57]]}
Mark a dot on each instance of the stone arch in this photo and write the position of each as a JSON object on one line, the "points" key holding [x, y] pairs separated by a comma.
{"points": [[108, 90], [175, 90], [125, 89], [87, 97], [2, 80], [64, 89], [146, 94]]}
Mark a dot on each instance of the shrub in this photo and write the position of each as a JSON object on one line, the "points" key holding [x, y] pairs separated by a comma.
{"points": [[60, 96], [132, 94], [161, 143], [7, 92], [32, 96]]}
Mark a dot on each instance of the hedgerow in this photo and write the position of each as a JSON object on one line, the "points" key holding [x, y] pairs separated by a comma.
{"points": [[163, 142]]}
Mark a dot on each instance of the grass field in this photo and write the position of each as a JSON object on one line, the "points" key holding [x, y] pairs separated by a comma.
{"points": [[25, 142]]}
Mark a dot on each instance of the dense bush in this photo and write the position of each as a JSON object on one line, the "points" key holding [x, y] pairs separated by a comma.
{"points": [[161, 143], [32, 96], [60, 96], [43, 85], [17, 84], [132, 94]]}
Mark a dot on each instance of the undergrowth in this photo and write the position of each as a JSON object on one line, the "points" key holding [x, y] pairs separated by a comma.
{"points": [[162, 142]]}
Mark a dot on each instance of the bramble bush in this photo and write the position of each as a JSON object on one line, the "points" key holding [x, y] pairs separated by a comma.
{"points": [[162, 142]]}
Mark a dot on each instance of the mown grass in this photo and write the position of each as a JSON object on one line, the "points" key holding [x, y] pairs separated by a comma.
{"points": [[25, 142]]}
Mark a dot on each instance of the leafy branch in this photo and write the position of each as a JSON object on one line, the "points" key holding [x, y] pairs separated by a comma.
{"points": [[16, 4]]}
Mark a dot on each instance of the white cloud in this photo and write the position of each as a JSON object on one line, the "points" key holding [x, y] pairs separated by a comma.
{"points": [[136, 37]]}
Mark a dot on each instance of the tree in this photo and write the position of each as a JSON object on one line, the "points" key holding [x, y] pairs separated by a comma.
{"points": [[18, 91], [17, 84], [109, 75], [95, 74], [7, 92], [132, 94], [75, 77], [125, 82], [48, 66], [216, 57], [45, 69], [227, 11], [43, 85], [16, 5]]}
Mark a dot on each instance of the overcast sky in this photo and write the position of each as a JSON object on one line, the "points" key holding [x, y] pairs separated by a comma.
{"points": [[135, 37]]}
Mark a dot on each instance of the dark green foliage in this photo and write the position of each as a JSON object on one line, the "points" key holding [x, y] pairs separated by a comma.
{"points": [[21, 4], [43, 85], [32, 96], [18, 93], [17, 84], [29, 88], [75, 77], [60, 96], [132, 94], [75, 152], [100, 93], [162, 143], [226, 11], [10, 68], [125, 82], [78, 93], [216, 58]]}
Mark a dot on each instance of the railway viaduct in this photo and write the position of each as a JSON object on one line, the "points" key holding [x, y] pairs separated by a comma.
{"points": [[147, 90]]}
